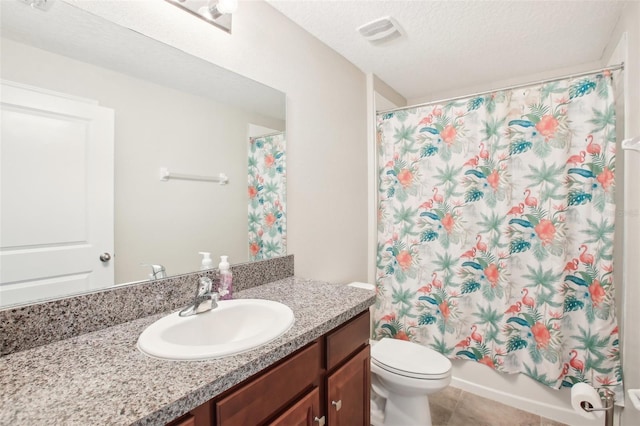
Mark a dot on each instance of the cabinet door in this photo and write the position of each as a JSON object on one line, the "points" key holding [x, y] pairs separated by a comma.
{"points": [[303, 413], [348, 392]]}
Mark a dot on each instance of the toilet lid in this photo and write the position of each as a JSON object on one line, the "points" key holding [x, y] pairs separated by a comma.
{"points": [[410, 359]]}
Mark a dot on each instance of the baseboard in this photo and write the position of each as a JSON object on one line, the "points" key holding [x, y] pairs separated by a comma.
{"points": [[553, 412]]}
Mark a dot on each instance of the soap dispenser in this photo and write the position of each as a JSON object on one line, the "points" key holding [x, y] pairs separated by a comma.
{"points": [[207, 263], [226, 279]]}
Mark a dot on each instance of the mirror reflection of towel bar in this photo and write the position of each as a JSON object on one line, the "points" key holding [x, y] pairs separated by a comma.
{"points": [[165, 175]]}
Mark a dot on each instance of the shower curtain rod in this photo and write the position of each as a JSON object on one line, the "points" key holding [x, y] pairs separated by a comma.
{"points": [[619, 66], [267, 135]]}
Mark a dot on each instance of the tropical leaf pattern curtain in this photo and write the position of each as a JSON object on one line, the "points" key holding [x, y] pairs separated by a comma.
{"points": [[267, 197], [495, 236]]}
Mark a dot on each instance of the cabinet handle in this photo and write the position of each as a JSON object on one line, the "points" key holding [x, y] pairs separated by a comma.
{"points": [[320, 420], [337, 404]]}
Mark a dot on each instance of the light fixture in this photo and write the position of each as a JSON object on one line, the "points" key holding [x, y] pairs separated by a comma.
{"points": [[39, 4], [227, 6], [216, 12]]}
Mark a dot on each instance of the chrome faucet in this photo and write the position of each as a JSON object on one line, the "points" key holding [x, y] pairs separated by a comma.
{"points": [[204, 300], [157, 271]]}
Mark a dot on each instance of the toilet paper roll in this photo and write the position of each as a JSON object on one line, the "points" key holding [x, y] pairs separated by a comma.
{"points": [[583, 394]]}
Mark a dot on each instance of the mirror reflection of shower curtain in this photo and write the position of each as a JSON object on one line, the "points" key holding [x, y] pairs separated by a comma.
{"points": [[495, 230], [267, 197]]}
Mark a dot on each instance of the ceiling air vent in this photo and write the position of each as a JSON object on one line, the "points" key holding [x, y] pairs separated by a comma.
{"points": [[381, 30]]}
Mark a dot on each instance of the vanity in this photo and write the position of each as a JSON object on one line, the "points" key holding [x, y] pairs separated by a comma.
{"points": [[325, 382], [318, 368]]}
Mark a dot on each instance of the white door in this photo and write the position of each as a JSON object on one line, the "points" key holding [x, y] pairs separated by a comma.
{"points": [[56, 194]]}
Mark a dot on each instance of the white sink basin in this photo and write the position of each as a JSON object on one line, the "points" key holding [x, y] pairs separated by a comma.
{"points": [[234, 326]]}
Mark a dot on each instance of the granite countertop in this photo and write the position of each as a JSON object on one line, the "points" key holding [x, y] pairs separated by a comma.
{"points": [[102, 378]]}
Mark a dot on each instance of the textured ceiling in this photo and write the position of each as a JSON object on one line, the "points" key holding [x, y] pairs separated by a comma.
{"points": [[75, 33], [452, 44]]}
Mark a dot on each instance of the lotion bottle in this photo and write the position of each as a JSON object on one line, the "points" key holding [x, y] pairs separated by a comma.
{"points": [[207, 263], [226, 279]]}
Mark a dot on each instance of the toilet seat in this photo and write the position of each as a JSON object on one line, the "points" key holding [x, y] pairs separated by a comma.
{"points": [[410, 360]]}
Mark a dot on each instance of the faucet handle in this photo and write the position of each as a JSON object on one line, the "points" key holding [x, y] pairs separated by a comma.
{"points": [[157, 271], [204, 286]]}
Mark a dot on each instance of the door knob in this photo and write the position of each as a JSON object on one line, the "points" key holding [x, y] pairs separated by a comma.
{"points": [[105, 257], [320, 420], [337, 404]]}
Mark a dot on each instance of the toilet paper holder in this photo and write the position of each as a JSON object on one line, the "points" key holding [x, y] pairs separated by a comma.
{"points": [[608, 398]]}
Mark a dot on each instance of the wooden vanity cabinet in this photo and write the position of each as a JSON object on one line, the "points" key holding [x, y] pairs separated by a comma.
{"points": [[325, 383]]}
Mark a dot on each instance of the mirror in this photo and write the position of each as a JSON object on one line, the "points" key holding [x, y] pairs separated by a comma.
{"points": [[170, 110]]}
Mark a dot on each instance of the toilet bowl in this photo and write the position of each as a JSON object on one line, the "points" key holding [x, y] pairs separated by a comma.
{"points": [[403, 374]]}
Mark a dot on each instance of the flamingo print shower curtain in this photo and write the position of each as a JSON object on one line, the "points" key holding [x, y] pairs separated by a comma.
{"points": [[495, 230], [267, 197]]}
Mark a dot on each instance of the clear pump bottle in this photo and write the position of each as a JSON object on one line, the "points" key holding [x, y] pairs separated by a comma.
{"points": [[226, 279], [207, 263]]}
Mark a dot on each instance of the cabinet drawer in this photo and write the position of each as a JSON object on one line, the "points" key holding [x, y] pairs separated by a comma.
{"points": [[262, 397], [199, 416], [347, 339], [188, 420]]}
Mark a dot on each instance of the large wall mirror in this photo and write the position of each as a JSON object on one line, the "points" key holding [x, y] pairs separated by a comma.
{"points": [[82, 96]]}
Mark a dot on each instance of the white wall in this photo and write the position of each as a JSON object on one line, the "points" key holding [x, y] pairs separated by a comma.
{"points": [[326, 121], [158, 126], [500, 84], [625, 44]]}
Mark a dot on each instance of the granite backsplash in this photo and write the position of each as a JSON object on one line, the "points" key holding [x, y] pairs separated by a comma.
{"points": [[29, 326]]}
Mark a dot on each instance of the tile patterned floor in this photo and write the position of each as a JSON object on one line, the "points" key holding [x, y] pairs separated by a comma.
{"points": [[455, 407]]}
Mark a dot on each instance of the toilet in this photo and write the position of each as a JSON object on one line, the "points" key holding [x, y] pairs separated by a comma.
{"points": [[403, 375]]}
